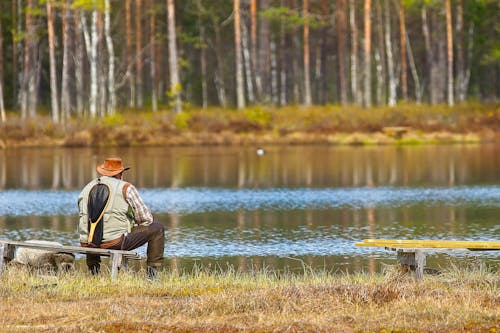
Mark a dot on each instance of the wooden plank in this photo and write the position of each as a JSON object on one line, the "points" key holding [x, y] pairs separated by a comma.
{"points": [[72, 249], [479, 245]]}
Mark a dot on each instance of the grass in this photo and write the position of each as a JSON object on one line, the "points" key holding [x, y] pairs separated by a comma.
{"points": [[331, 124], [459, 300]]}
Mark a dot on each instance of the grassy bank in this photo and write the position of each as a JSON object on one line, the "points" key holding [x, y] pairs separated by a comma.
{"points": [[403, 124], [459, 300]]}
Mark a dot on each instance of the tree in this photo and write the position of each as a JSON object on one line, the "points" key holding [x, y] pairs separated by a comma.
{"points": [[53, 70], [111, 105], [367, 55], [138, 53], [402, 47], [175, 85], [240, 93], [307, 79], [355, 91], [3, 117], [449, 44], [341, 49], [389, 54], [65, 93], [128, 50], [152, 56]]}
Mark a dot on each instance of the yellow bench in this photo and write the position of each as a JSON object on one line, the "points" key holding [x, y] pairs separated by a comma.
{"points": [[411, 253]]}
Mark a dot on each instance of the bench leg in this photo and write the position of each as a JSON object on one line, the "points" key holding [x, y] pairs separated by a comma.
{"points": [[3, 248], [419, 264], [415, 260], [116, 262]]}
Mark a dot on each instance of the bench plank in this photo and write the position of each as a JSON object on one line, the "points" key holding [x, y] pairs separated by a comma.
{"points": [[442, 244], [118, 258]]}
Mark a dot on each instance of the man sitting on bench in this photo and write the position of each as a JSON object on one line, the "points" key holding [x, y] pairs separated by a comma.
{"points": [[114, 216]]}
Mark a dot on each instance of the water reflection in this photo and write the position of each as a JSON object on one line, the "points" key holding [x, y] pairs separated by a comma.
{"points": [[241, 167]]}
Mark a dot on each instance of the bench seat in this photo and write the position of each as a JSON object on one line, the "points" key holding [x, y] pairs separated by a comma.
{"points": [[412, 252], [118, 258]]}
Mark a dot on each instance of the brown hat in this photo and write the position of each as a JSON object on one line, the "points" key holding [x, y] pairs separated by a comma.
{"points": [[111, 167]]}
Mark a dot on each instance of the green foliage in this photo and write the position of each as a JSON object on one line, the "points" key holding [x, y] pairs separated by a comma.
{"points": [[88, 5], [182, 120], [291, 18], [113, 120], [258, 115]]}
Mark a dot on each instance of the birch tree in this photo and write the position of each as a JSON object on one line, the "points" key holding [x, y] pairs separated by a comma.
{"points": [[139, 53], [240, 92], [389, 54], [367, 55], [402, 48], [175, 85], [449, 44], [111, 105], [152, 56]]}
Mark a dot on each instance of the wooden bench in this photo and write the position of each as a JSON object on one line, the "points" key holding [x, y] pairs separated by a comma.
{"points": [[118, 258], [412, 253]]}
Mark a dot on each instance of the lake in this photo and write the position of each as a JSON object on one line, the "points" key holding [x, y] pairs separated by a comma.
{"points": [[288, 208]]}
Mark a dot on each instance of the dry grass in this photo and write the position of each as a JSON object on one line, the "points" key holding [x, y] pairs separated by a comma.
{"points": [[289, 125], [457, 301]]}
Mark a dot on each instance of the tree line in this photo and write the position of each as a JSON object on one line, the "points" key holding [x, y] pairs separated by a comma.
{"points": [[92, 57]]}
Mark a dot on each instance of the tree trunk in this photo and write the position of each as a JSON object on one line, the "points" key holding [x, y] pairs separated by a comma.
{"points": [[449, 43], [152, 55], [429, 56], [240, 92], [402, 45], [460, 78], [307, 79], [93, 66], [219, 75], [264, 64], [65, 93], [341, 49], [274, 73], [54, 97], [367, 55], [79, 60], [253, 42], [130, 63], [390, 58], [138, 53], [111, 105], [283, 76], [247, 63], [3, 117], [175, 85], [356, 95], [414, 73], [380, 57]]}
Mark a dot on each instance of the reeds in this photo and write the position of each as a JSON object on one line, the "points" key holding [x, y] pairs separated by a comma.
{"points": [[458, 300]]}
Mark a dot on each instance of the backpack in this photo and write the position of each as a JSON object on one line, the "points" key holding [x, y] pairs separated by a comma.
{"points": [[96, 206]]}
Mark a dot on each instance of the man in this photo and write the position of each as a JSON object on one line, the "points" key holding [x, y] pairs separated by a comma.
{"points": [[114, 216]]}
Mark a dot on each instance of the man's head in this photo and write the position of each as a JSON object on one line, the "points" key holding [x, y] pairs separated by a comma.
{"points": [[112, 167]]}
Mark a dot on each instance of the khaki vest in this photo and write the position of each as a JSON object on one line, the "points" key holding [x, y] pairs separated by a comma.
{"points": [[118, 215]]}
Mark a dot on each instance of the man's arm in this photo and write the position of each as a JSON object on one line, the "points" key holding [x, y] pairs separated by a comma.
{"points": [[142, 213]]}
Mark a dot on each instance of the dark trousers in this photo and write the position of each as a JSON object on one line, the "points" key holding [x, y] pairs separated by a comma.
{"points": [[153, 234]]}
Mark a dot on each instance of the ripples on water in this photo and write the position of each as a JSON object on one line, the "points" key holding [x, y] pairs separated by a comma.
{"points": [[195, 200]]}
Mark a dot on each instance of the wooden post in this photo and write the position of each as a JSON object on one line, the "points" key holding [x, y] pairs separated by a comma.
{"points": [[419, 264], [2, 251], [116, 261]]}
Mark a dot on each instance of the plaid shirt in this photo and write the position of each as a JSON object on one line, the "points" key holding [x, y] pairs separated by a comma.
{"points": [[142, 213]]}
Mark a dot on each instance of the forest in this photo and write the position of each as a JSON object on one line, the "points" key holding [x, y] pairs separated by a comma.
{"points": [[91, 58]]}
